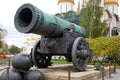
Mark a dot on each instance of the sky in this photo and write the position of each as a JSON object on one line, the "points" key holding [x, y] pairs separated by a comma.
{"points": [[8, 9]]}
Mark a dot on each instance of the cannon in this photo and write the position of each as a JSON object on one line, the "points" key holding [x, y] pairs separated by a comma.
{"points": [[58, 37]]}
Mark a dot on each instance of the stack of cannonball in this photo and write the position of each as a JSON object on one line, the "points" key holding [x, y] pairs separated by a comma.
{"points": [[21, 64]]}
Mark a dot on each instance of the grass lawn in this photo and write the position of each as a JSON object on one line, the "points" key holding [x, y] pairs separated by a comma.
{"points": [[60, 62], [4, 63]]}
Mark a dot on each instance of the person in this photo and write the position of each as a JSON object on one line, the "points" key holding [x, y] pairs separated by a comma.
{"points": [[3, 56]]}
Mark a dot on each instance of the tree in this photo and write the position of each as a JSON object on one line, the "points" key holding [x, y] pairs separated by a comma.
{"points": [[2, 52], [90, 19], [14, 49], [3, 34], [3, 45]]}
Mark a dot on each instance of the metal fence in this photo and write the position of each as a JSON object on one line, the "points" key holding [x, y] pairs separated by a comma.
{"points": [[6, 68]]}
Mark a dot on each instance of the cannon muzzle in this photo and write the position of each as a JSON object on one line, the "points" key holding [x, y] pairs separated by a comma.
{"points": [[30, 19]]}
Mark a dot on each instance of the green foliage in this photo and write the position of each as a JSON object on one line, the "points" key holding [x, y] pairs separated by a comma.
{"points": [[14, 49], [106, 47], [2, 52], [114, 49], [98, 46], [90, 18], [3, 33], [60, 61]]}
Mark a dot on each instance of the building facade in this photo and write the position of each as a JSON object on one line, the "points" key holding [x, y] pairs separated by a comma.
{"points": [[110, 12], [65, 5], [30, 42]]}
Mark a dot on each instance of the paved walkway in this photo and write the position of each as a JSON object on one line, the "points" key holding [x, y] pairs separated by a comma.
{"points": [[114, 76], [1, 67]]}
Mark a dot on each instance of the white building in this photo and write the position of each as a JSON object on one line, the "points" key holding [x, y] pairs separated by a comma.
{"points": [[110, 11], [65, 5], [30, 42]]}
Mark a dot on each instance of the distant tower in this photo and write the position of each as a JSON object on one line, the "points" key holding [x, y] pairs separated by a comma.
{"points": [[65, 5], [111, 6]]}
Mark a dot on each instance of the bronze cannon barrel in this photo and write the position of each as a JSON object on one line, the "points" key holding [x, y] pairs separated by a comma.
{"points": [[30, 19]]}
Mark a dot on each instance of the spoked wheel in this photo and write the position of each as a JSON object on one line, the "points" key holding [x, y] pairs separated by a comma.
{"points": [[40, 60], [80, 54]]}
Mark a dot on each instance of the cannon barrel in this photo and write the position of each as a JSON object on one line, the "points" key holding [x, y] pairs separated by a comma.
{"points": [[30, 19]]}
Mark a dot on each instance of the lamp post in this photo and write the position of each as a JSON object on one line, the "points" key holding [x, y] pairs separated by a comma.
{"points": [[109, 34], [118, 28]]}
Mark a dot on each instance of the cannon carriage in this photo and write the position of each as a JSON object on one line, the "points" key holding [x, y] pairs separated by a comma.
{"points": [[59, 37]]}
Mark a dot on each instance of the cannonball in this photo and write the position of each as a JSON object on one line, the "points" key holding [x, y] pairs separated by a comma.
{"points": [[13, 75], [22, 62], [33, 75]]}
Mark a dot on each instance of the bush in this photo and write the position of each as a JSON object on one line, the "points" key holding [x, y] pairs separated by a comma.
{"points": [[106, 47]]}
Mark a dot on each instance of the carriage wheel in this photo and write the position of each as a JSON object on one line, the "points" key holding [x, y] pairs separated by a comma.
{"points": [[40, 60], [80, 54]]}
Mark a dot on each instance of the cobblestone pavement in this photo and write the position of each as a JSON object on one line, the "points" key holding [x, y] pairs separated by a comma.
{"points": [[115, 76]]}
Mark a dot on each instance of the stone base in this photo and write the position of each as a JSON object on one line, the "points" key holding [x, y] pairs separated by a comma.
{"points": [[60, 72]]}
